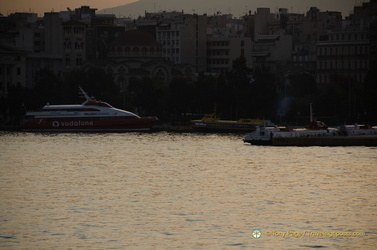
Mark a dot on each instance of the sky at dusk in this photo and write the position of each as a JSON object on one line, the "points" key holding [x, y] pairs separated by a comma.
{"points": [[40, 6]]}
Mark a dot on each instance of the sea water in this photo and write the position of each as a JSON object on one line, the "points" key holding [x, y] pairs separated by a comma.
{"points": [[188, 191]]}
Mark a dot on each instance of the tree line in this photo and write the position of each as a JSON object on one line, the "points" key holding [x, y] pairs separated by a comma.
{"points": [[240, 93]]}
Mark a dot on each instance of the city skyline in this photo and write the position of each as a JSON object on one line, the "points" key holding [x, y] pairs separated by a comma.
{"points": [[295, 6]]}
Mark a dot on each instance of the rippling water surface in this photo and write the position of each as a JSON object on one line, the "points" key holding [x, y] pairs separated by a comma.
{"points": [[189, 191]]}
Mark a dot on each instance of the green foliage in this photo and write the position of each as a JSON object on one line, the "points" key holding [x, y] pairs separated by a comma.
{"points": [[181, 96], [53, 89], [263, 94], [368, 96], [48, 88], [96, 82], [235, 94], [149, 96]]}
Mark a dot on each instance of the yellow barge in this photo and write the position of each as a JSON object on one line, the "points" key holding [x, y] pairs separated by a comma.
{"points": [[213, 123]]}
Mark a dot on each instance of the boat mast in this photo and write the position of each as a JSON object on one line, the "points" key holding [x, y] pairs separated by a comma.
{"points": [[86, 95]]}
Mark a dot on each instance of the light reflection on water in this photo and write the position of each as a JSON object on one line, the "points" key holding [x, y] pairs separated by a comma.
{"points": [[162, 190]]}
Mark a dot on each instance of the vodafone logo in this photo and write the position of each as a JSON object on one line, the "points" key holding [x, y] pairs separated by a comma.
{"points": [[56, 124]]}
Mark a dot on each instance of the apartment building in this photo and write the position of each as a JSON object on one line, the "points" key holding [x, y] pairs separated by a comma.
{"points": [[12, 68], [343, 53], [74, 44], [349, 52], [226, 42], [287, 42], [184, 39], [272, 44]]}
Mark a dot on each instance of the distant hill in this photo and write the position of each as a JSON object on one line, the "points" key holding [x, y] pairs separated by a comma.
{"points": [[235, 7], [188, 6]]}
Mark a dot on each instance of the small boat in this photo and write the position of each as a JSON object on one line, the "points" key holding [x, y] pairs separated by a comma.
{"points": [[90, 116], [358, 129], [266, 135], [213, 123]]}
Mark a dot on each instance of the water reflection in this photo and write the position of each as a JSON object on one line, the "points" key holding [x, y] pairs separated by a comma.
{"points": [[181, 190]]}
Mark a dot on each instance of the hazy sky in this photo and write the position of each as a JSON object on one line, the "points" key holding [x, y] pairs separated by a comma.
{"points": [[40, 6]]}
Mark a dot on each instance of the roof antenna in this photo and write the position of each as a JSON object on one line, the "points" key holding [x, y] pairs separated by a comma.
{"points": [[82, 92]]}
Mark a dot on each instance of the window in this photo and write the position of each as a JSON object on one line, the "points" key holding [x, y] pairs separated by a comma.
{"points": [[78, 30], [78, 61], [144, 51], [135, 51], [67, 45], [67, 62], [79, 45], [67, 30], [127, 51]]}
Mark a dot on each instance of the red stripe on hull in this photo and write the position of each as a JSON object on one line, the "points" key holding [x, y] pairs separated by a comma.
{"points": [[138, 124]]}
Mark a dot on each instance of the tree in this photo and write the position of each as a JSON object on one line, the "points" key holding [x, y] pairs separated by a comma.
{"points": [[240, 89], [368, 97], [149, 96], [96, 82], [205, 94], [47, 89], [262, 94], [181, 96], [300, 92]]}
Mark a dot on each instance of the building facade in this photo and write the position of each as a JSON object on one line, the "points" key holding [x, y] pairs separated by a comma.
{"points": [[343, 54], [318, 42], [12, 68], [74, 35], [137, 54]]}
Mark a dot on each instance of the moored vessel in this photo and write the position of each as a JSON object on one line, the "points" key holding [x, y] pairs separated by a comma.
{"points": [[268, 134], [213, 123], [358, 129], [90, 116]]}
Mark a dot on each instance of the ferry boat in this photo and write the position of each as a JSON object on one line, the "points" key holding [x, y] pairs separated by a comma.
{"points": [[266, 135], [213, 123], [90, 116], [358, 129]]}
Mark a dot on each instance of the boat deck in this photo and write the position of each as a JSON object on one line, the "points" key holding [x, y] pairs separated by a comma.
{"points": [[360, 140]]}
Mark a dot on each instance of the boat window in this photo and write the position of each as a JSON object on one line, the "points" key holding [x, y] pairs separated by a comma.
{"points": [[99, 104], [91, 118], [104, 104], [70, 109], [89, 109]]}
